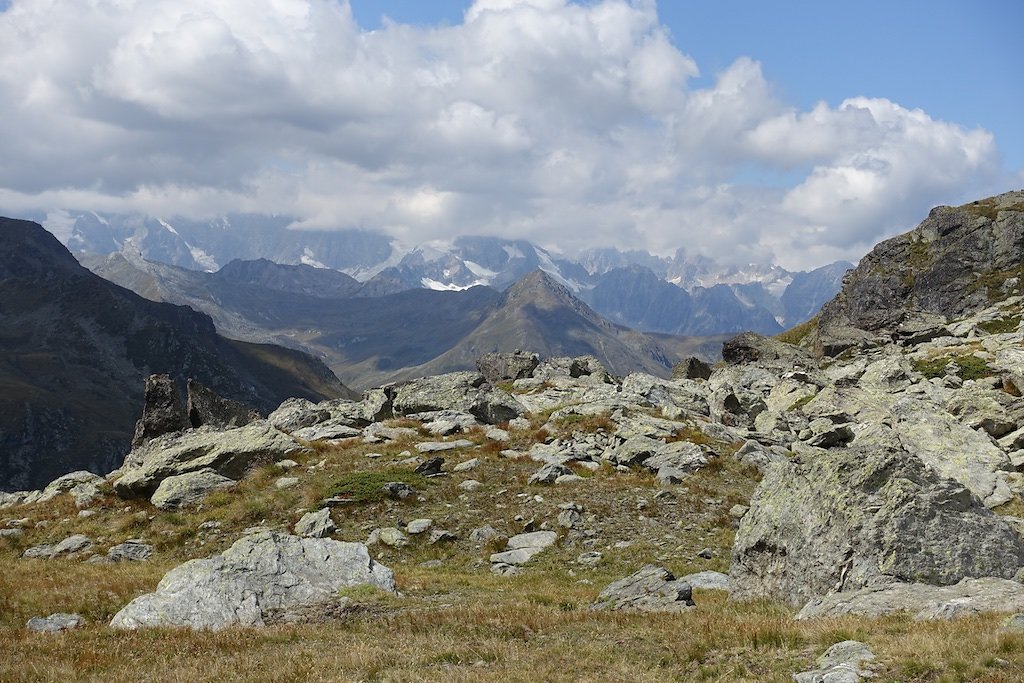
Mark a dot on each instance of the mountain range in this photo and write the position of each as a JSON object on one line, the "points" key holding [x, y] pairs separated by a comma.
{"points": [[371, 340], [720, 299]]}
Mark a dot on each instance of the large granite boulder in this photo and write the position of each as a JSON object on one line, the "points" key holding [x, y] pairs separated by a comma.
{"points": [[229, 453], [864, 516], [260, 576]]}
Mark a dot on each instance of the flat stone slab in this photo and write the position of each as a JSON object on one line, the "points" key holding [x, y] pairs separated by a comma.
{"points": [[439, 446]]}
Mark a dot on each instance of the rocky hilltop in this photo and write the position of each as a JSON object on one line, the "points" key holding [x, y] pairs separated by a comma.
{"points": [[958, 261], [771, 507], [75, 349]]}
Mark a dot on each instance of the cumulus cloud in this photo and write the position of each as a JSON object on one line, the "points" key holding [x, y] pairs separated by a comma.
{"points": [[571, 124]]}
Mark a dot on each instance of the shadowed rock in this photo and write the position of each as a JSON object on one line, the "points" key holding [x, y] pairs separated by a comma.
{"points": [[162, 412]]}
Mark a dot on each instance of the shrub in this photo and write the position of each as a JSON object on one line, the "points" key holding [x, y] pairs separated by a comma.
{"points": [[368, 487]]}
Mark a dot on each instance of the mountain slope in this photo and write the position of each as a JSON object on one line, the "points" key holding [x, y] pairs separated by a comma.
{"points": [[75, 349]]}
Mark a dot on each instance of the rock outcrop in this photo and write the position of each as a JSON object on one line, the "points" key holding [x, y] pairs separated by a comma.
{"points": [[229, 453], [925, 602], [864, 516]]}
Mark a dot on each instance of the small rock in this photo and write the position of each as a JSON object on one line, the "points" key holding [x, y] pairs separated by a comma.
{"points": [[706, 553], [287, 464], [497, 434], [316, 524], [505, 569], [69, 546], [483, 534], [469, 485], [589, 558], [442, 536], [548, 474], [569, 518], [393, 537], [1013, 624], [651, 589], [418, 526], [567, 479], [398, 490], [286, 482], [430, 468], [522, 547], [436, 446], [132, 550], [61, 621], [467, 465]]}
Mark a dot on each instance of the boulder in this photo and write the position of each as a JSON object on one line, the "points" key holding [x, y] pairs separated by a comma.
{"points": [[189, 489], [522, 547], [132, 550], [842, 663], [691, 368], [954, 450], [580, 367], [651, 589], [926, 602], [82, 486], [229, 453], [866, 515], [507, 367], [55, 623], [205, 407], [750, 347], [548, 474], [465, 392], [297, 413], [162, 412], [714, 581], [260, 575]]}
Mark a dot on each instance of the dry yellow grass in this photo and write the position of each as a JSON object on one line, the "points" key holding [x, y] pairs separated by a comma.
{"points": [[458, 622]]}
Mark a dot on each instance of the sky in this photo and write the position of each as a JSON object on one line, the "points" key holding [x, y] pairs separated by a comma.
{"points": [[797, 132]]}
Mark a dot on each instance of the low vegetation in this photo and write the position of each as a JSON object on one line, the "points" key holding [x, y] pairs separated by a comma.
{"points": [[968, 366], [800, 335]]}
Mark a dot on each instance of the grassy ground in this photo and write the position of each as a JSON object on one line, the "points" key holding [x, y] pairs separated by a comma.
{"points": [[455, 621]]}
